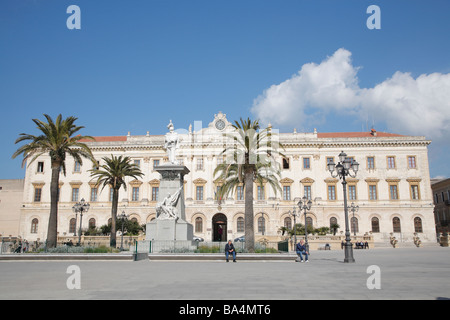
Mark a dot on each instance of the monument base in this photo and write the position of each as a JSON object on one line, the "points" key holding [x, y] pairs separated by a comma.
{"points": [[169, 230]]}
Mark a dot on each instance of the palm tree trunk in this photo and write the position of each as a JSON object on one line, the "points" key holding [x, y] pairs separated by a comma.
{"points": [[115, 203], [52, 231], [248, 213]]}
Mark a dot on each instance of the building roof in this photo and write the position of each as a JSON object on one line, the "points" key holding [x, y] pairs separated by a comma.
{"points": [[106, 139], [373, 133], [357, 134]]}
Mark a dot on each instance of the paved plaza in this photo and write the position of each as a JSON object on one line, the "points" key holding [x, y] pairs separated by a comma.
{"points": [[403, 273]]}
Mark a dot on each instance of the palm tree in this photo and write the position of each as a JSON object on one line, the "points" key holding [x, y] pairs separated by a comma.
{"points": [[57, 139], [113, 174], [249, 159]]}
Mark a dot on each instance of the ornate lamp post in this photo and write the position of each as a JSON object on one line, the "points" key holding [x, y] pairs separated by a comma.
{"points": [[342, 170], [354, 209], [305, 204], [80, 207], [123, 217]]}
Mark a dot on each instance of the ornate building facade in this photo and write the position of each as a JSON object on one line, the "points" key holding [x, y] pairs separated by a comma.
{"points": [[392, 187]]}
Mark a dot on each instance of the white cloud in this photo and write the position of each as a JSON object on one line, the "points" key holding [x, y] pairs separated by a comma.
{"points": [[406, 105]]}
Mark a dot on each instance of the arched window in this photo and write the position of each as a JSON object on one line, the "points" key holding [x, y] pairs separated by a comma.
{"points": [[261, 225], [91, 223], [198, 224], [375, 225], [418, 224], [34, 225], [240, 224], [72, 225], [354, 225], [333, 221], [134, 219], [288, 223], [396, 224]]}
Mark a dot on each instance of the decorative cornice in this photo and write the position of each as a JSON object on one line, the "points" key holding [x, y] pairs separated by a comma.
{"points": [[135, 183], [307, 181], [286, 181], [199, 181]]}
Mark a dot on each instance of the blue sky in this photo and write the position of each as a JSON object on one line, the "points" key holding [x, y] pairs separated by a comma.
{"points": [[136, 64]]}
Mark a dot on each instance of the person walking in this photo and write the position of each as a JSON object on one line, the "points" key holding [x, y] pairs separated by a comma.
{"points": [[301, 250], [229, 249]]}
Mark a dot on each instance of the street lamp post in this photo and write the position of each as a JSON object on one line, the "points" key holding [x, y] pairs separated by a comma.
{"points": [[305, 204], [354, 209], [80, 207], [342, 170], [123, 218]]}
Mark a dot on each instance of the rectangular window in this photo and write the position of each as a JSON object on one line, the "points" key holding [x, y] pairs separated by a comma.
{"points": [[306, 163], [260, 193], [331, 192], [372, 192], [199, 193], [135, 194], [285, 163], [77, 167], [75, 194], [370, 162], [415, 192], [137, 163], [40, 167], [329, 159], [286, 193], [155, 192], [199, 163], [239, 193], [393, 192], [307, 192], [94, 193], [411, 162], [391, 162], [216, 195], [219, 160], [37, 194], [155, 163], [352, 192]]}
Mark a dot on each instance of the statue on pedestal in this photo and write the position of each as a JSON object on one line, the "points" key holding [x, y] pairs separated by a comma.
{"points": [[171, 143], [166, 209]]}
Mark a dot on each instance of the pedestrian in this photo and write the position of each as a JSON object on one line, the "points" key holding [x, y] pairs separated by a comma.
{"points": [[301, 249], [229, 249]]}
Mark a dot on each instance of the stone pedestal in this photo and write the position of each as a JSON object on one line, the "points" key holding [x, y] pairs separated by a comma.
{"points": [[172, 178]]}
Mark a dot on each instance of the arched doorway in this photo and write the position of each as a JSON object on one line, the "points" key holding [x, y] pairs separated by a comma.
{"points": [[219, 227]]}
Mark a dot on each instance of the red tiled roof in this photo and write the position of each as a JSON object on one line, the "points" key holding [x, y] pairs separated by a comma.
{"points": [[356, 135], [106, 139]]}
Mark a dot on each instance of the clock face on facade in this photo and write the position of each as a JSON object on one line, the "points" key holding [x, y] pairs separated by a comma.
{"points": [[220, 124]]}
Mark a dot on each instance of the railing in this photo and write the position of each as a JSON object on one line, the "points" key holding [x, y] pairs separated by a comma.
{"points": [[170, 246]]}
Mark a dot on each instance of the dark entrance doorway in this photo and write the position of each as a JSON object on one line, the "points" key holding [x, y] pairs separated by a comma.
{"points": [[219, 226]]}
